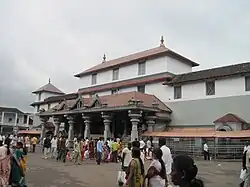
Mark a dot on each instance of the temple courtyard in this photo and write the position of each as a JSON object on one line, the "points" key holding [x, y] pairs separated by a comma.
{"points": [[49, 173]]}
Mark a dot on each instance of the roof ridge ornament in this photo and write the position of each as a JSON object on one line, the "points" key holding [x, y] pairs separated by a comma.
{"points": [[104, 58], [49, 80], [162, 42]]}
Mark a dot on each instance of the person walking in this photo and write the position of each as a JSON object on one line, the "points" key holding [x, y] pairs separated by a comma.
{"points": [[99, 150], [166, 157], [54, 147], [77, 152], [156, 174], [47, 145], [126, 156], [34, 142], [206, 151]]}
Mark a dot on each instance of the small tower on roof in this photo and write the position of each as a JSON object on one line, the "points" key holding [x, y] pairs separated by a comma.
{"points": [[46, 91], [162, 42]]}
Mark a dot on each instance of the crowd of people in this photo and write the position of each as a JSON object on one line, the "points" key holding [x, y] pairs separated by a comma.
{"points": [[13, 161], [163, 169]]}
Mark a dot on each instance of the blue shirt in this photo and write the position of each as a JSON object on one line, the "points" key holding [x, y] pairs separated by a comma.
{"points": [[99, 146]]}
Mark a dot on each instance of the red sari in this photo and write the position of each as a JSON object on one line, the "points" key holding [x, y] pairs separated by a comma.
{"points": [[91, 150]]}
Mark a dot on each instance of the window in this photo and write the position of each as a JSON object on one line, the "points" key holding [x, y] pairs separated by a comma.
{"points": [[177, 92], [141, 88], [115, 91], [94, 79], [247, 83], [115, 74], [17, 121], [39, 97], [141, 68], [210, 88], [10, 120]]}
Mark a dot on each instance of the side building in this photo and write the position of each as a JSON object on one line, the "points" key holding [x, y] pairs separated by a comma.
{"points": [[12, 120]]}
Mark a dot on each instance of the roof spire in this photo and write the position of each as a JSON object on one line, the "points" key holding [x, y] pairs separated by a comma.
{"points": [[49, 81], [162, 41], [104, 58]]}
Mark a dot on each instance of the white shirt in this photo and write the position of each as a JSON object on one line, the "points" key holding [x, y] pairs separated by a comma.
{"points": [[142, 144], [142, 157], [148, 144], [54, 142], [167, 158], [67, 143], [205, 147], [128, 156], [156, 180], [1, 138], [110, 143]]}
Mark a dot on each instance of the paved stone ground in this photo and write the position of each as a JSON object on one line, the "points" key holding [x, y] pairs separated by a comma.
{"points": [[49, 173]]}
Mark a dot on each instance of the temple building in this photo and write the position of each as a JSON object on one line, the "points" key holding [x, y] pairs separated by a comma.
{"points": [[152, 92]]}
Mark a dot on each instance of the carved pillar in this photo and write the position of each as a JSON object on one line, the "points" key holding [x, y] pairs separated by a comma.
{"points": [[150, 122], [44, 120], [87, 122], [107, 121], [71, 130], [57, 125], [135, 119]]}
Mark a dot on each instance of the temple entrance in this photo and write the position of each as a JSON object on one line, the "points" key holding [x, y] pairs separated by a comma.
{"points": [[96, 125], [121, 125]]}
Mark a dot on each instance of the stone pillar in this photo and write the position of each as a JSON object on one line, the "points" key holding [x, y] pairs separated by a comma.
{"points": [[71, 131], [135, 119], [2, 118], [57, 125], [107, 121], [44, 120], [150, 122], [87, 122]]}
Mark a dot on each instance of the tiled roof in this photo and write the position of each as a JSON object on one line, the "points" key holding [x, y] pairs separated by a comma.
{"points": [[213, 73], [49, 88], [118, 100], [134, 58], [230, 118], [54, 99], [198, 133], [9, 109], [127, 83], [122, 99], [61, 97]]}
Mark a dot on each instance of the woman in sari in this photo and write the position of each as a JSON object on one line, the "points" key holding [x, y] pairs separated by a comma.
{"points": [[105, 153], [17, 177], [135, 173], [5, 165], [91, 149]]}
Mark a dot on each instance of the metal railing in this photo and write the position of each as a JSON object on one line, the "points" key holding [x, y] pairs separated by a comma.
{"points": [[218, 148]]}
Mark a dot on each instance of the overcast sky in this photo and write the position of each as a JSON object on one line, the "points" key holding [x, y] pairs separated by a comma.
{"points": [[56, 39]]}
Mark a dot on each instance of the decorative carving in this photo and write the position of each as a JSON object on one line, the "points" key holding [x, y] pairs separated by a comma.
{"points": [[87, 122], [155, 104], [41, 110], [135, 119], [107, 121], [150, 120], [96, 101], [134, 102]]}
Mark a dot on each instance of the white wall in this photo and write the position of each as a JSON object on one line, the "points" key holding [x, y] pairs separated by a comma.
{"points": [[153, 66], [234, 86], [45, 95], [159, 90], [177, 67]]}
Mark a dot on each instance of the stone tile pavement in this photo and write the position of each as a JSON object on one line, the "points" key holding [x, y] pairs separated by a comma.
{"points": [[49, 173]]}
